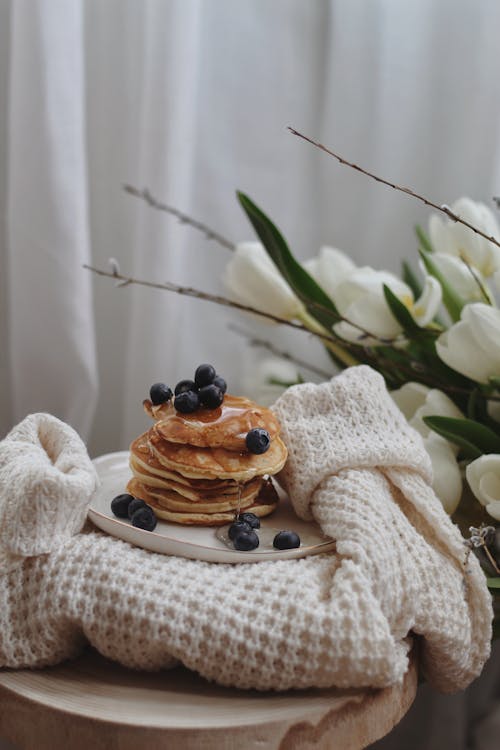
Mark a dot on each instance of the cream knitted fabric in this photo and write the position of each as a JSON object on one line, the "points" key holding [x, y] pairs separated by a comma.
{"points": [[46, 481], [337, 619]]}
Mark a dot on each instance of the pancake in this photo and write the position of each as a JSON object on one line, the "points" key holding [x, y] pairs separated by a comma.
{"points": [[213, 463], [262, 506], [143, 459], [171, 501], [194, 494], [224, 427]]}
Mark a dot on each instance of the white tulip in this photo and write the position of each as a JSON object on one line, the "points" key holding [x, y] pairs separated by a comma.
{"points": [[483, 476], [447, 480], [459, 276], [452, 238], [253, 279], [416, 401], [360, 299], [329, 268], [472, 345]]}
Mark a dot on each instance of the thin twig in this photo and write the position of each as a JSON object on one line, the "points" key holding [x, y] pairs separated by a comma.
{"points": [[476, 278], [188, 291], [122, 280], [443, 207], [209, 233], [264, 344]]}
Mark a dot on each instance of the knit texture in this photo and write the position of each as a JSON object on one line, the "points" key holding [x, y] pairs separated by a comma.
{"points": [[46, 480], [335, 619]]}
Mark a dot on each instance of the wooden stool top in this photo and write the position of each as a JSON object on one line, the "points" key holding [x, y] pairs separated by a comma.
{"points": [[94, 703]]}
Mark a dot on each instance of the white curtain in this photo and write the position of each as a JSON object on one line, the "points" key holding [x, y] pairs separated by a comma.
{"points": [[191, 98]]}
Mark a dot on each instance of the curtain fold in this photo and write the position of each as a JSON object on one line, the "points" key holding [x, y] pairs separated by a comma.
{"points": [[51, 325], [192, 99]]}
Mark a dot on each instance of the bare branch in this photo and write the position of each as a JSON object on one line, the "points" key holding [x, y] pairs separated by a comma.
{"points": [[188, 291], [210, 234], [375, 357], [443, 207]]}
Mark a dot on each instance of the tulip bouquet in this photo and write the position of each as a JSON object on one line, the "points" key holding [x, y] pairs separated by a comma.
{"points": [[433, 334]]}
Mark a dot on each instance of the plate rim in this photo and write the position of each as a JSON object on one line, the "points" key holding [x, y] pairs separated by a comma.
{"points": [[255, 554]]}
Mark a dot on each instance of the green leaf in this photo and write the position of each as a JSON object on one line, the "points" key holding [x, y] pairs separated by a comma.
{"points": [[423, 239], [452, 300], [494, 380], [473, 403], [493, 583], [401, 313], [410, 278], [474, 438], [304, 286]]}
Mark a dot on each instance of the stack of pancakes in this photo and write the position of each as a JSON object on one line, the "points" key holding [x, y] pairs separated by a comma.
{"points": [[195, 468]]}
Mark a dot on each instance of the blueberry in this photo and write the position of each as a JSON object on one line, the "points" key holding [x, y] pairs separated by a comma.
{"points": [[211, 396], [237, 528], [159, 393], [119, 505], [220, 383], [187, 402], [258, 440], [185, 385], [286, 540], [134, 505], [246, 540], [204, 375], [144, 518], [251, 519]]}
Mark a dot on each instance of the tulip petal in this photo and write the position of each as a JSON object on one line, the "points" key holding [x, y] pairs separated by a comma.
{"points": [[372, 315], [476, 470], [459, 349], [454, 238], [254, 280], [410, 397], [427, 305], [485, 324], [493, 509], [459, 277], [441, 240], [447, 480]]}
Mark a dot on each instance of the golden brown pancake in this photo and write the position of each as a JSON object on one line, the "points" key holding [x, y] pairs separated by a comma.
{"points": [[213, 463], [141, 456], [262, 506], [224, 427], [172, 501], [228, 491]]}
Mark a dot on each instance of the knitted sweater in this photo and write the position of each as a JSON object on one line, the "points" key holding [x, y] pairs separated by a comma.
{"points": [[342, 618]]}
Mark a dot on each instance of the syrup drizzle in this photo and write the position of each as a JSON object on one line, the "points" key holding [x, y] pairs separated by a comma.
{"points": [[238, 507]]}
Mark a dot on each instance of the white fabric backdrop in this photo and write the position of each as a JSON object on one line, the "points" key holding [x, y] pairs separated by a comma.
{"points": [[192, 98]]}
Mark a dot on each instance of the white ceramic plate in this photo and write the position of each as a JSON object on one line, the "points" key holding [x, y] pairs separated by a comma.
{"points": [[196, 542]]}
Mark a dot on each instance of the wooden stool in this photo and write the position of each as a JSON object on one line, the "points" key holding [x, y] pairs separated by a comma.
{"points": [[94, 704]]}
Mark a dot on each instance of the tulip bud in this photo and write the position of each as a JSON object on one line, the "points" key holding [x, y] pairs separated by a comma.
{"points": [[452, 238], [254, 280], [472, 345], [483, 476]]}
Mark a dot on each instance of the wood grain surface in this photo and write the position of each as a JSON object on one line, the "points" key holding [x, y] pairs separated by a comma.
{"points": [[94, 703]]}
